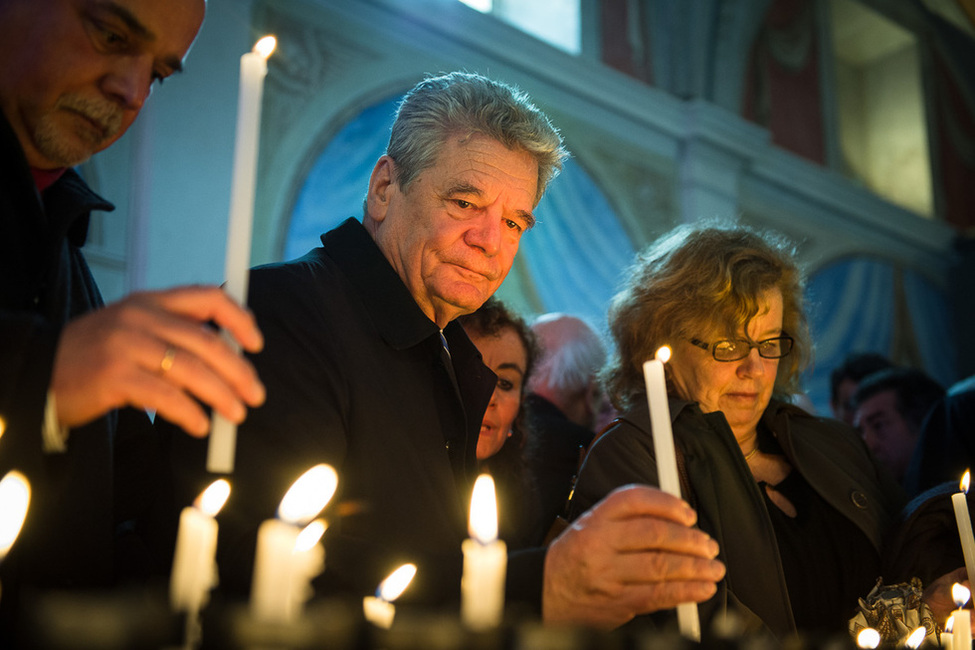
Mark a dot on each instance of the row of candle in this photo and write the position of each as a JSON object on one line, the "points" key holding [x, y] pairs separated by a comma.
{"points": [[289, 556]]}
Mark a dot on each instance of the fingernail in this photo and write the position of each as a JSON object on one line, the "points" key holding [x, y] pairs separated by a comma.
{"points": [[713, 548]]}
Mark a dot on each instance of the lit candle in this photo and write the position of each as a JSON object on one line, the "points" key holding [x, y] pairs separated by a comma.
{"points": [[868, 638], [288, 557], [379, 609], [946, 637], [14, 501], [253, 69], [485, 561], [194, 570], [959, 502], [663, 448], [916, 638], [961, 630]]}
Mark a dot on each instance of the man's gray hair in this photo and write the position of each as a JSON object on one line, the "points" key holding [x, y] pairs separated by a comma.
{"points": [[572, 353], [464, 104]]}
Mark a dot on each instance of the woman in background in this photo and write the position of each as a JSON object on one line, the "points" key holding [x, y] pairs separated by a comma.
{"points": [[509, 349]]}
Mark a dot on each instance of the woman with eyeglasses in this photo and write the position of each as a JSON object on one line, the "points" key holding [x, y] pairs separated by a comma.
{"points": [[795, 502]]}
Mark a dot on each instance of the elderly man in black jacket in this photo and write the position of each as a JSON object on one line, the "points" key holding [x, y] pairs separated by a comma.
{"points": [[367, 370]]}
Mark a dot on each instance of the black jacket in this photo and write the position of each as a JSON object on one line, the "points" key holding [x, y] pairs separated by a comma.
{"points": [[68, 539], [730, 507], [357, 377]]}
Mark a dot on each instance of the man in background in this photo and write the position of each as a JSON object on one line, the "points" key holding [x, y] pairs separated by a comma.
{"points": [[891, 406], [843, 381], [563, 405]]}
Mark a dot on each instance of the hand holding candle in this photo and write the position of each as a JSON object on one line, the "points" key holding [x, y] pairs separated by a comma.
{"points": [[253, 69], [485, 561], [379, 609], [287, 556], [663, 448]]}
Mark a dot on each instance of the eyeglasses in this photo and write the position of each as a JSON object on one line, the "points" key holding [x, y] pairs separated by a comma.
{"points": [[733, 350]]}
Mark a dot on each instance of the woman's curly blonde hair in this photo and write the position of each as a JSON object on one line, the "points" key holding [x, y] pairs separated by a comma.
{"points": [[697, 281]]}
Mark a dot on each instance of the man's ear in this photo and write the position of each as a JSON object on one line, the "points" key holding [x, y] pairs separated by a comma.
{"points": [[380, 188]]}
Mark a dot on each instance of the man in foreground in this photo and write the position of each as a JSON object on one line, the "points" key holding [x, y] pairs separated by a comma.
{"points": [[74, 75]]}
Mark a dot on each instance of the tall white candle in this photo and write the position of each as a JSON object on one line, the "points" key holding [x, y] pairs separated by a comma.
{"points": [[959, 502], [961, 631], [194, 570], [253, 69], [379, 609], [485, 561], [288, 556], [663, 448]]}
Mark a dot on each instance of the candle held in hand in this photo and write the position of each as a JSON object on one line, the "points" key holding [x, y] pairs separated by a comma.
{"points": [[253, 69], [485, 561], [663, 448]]}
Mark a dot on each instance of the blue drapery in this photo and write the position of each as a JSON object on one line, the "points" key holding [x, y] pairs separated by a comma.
{"points": [[852, 306]]}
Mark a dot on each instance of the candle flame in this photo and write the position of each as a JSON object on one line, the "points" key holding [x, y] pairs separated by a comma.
{"points": [[950, 624], [308, 495], [960, 594], [663, 354], [14, 500], [916, 638], [965, 480], [310, 535], [3, 426], [868, 638], [212, 499], [396, 583], [483, 523], [265, 46]]}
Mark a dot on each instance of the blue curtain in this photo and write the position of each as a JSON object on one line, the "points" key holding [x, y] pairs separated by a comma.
{"points": [[573, 257], [849, 305], [851, 309]]}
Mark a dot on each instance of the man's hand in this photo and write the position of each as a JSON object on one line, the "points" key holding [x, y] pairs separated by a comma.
{"points": [[153, 350], [632, 553]]}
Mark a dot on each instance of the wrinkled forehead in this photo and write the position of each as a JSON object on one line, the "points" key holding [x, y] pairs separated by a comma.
{"points": [[169, 25]]}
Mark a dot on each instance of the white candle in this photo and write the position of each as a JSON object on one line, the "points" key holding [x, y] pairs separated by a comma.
{"points": [[288, 556], [194, 570], [485, 561], [379, 609], [663, 448], [961, 630], [959, 502], [868, 638], [916, 638], [14, 501], [253, 69], [947, 641]]}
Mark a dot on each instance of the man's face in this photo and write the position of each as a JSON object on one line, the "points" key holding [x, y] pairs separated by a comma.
{"points": [[889, 436], [77, 72], [452, 237]]}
